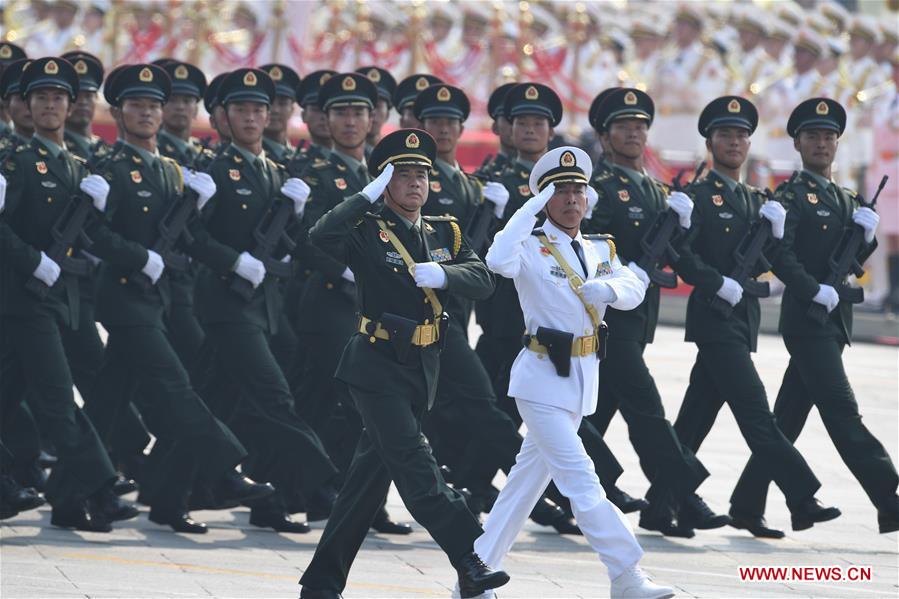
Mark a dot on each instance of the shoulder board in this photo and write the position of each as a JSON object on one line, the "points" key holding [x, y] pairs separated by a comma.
{"points": [[373, 215], [77, 158], [537, 232], [171, 161], [594, 236], [605, 175], [22, 148], [272, 163], [437, 219], [320, 163], [852, 193]]}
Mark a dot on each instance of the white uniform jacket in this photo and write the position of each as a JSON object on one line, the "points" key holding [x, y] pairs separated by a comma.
{"points": [[547, 300]]}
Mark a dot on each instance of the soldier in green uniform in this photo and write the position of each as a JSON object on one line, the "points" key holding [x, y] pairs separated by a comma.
{"points": [[628, 200], [502, 128], [316, 123], [404, 97], [42, 179], [213, 105], [9, 53], [242, 369], [15, 106], [276, 141], [392, 364], [326, 317], [79, 138], [138, 187], [386, 85], [818, 214]]}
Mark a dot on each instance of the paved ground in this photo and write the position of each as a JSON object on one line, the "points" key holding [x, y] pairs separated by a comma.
{"points": [[141, 559]]}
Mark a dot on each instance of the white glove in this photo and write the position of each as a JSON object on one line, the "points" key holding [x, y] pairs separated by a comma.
{"points": [[201, 183], [598, 292], [154, 266], [97, 188], [250, 268], [374, 189], [777, 215], [730, 291], [298, 191], [2, 192], [429, 274], [348, 275], [641, 274], [536, 203], [827, 296], [592, 198], [683, 205], [47, 270], [868, 220], [499, 195]]}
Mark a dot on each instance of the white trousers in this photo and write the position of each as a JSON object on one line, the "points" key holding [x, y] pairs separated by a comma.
{"points": [[553, 450]]}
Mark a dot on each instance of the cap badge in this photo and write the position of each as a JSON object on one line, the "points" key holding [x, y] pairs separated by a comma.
{"points": [[567, 159], [250, 79], [276, 74], [822, 108], [374, 75], [181, 72], [531, 93], [734, 106], [444, 95], [630, 98], [81, 67], [421, 83], [51, 68], [348, 84], [146, 75], [412, 141]]}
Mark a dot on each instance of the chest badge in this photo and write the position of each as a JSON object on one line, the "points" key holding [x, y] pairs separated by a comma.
{"points": [[382, 235], [48, 184], [557, 271], [143, 193], [340, 183], [435, 186], [234, 174], [545, 251], [41, 167], [135, 176], [524, 190], [812, 198], [717, 200], [441, 255], [624, 195], [604, 269]]}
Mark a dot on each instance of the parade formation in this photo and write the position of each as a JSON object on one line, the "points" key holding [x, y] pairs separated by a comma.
{"points": [[245, 320]]}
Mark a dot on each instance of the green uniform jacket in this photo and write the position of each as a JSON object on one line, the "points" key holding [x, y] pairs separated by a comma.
{"points": [[328, 297], [816, 219], [721, 219], [194, 156], [93, 153], [39, 187], [304, 157], [226, 228], [137, 202], [277, 152], [460, 199], [351, 235], [501, 315], [625, 211]]}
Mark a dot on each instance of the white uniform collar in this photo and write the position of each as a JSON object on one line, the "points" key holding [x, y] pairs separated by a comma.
{"points": [[557, 235]]}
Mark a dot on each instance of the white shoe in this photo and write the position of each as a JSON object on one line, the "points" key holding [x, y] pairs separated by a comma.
{"points": [[634, 584], [488, 594]]}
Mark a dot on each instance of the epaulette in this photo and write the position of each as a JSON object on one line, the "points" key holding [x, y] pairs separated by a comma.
{"points": [[537, 232], [595, 236], [272, 163], [852, 193], [604, 175], [77, 158], [320, 163], [22, 148], [437, 219]]}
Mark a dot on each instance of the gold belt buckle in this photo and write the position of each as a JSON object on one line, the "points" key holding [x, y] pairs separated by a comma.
{"points": [[588, 345], [425, 334]]}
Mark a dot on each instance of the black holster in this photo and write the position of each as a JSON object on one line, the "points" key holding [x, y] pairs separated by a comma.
{"points": [[558, 348], [401, 331], [603, 340], [442, 326]]}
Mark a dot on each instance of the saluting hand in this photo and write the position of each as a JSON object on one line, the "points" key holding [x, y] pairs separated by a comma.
{"points": [[592, 198], [374, 189], [536, 203]]}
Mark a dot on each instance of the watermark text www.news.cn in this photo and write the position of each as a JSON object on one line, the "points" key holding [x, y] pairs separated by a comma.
{"points": [[805, 573]]}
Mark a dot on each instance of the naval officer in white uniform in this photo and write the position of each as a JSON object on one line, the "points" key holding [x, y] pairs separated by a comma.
{"points": [[565, 281]]}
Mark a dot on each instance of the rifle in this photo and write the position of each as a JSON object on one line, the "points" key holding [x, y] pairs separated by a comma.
{"points": [[748, 255], [843, 262], [479, 226], [172, 227], [66, 232], [270, 231], [656, 243]]}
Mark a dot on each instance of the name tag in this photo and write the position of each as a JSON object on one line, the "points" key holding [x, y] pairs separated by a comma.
{"points": [[635, 213], [48, 184], [441, 255], [243, 191], [557, 271]]}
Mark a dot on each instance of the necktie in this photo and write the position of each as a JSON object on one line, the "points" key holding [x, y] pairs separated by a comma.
{"points": [[259, 165], [577, 252], [363, 174], [417, 244]]}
